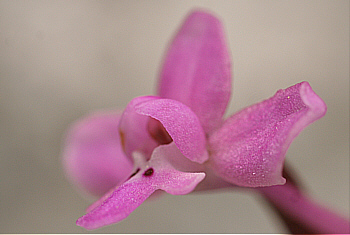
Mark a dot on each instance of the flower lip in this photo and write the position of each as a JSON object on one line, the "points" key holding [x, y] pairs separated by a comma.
{"points": [[122, 200]]}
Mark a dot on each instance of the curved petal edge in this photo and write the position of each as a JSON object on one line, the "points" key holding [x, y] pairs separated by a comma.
{"points": [[180, 122], [93, 157], [249, 149], [133, 130]]}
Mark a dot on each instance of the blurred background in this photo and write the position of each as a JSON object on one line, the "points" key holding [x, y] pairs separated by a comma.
{"points": [[60, 60]]}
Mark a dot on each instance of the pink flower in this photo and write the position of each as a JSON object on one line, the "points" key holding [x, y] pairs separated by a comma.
{"points": [[179, 139]]}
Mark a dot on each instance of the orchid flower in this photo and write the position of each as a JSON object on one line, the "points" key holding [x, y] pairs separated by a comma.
{"points": [[179, 142]]}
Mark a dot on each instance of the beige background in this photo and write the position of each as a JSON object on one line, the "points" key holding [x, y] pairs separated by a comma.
{"points": [[59, 60]]}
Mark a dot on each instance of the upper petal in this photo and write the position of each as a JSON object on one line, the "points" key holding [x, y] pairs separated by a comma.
{"points": [[180, 122], [249, 149], [93, 157], [196, 69], [156, 174]]}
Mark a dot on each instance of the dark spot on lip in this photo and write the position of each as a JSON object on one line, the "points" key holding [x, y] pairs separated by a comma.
{"points": [[148, 172], [133, 174]]}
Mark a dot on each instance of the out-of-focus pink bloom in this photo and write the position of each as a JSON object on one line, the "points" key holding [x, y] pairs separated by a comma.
{"points": [[179, 139]]}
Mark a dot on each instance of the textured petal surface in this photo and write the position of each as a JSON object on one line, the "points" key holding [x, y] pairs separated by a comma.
{"points": [[120, 203], [155, 174], [93, 157], [180, 122], [299, 209], [133, 130], [249, 149], [181, 163], [197, 70]]}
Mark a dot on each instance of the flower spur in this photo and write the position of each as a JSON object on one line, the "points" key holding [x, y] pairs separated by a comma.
{"points": [[179, 139]]}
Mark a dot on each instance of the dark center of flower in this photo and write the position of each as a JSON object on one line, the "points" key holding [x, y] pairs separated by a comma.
{"points": [[148, 172], [158, 132]]}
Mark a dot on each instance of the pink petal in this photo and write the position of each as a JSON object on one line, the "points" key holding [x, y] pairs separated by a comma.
{"points": [[124, 200], [133, 130], [93, 157], [197, 70], [180, 122], [156, 174], [176, 159], [299, 209], [181, 163], [249, 149], [167, 177]]}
